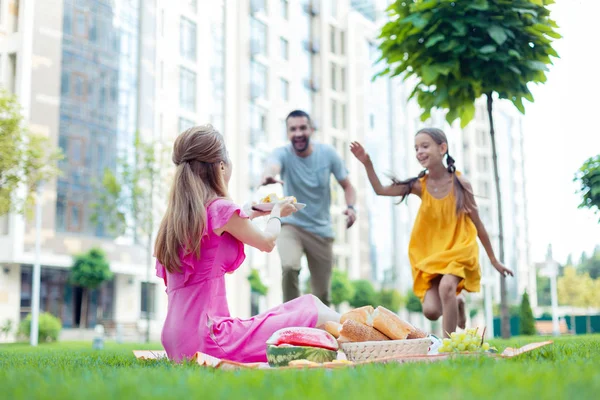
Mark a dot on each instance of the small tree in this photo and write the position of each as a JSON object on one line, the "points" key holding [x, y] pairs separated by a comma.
{"points": [[89, 270], [390, 299], [256, 284], [26, 159], [126, 198], [588, 178], [341, 288], [460, 51], [413, 304], [527, 322], [364, 294]]}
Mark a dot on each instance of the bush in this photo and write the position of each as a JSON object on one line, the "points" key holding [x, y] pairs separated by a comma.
{"points": [[364, 294], [341, 288], [413, 303], [527, 322], [390, 299], [48, 327]]}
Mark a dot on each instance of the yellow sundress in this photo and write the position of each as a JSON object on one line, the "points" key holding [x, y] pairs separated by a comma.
{"points": [[443, 243]]}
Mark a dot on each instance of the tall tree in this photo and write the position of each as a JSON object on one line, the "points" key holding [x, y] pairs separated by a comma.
{"points": [[588, 178], [27, 160], [126, 199], [460, 51], [88, 271]]}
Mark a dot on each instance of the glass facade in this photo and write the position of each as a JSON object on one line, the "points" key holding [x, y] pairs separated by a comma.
{"points": [[99, 80], [217, 66]]}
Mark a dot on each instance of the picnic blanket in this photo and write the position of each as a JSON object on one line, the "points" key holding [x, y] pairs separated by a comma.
{"points": [[212, 362]]}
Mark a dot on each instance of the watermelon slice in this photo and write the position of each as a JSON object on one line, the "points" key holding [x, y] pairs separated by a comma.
{"points": [[301, 336], [280, 356]]}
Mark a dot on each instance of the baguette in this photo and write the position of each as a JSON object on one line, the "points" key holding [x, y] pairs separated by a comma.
{"points": [[417, 334], [390, 324], [353, 331], [364, 315], [333, 328]]}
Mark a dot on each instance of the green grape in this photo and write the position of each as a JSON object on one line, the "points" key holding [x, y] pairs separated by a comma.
{"points": [[485, 347], [461, 347], [446, 342], [472, 347]]}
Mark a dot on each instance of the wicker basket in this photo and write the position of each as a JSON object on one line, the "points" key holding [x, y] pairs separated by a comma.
{"points": [[365, 351]]}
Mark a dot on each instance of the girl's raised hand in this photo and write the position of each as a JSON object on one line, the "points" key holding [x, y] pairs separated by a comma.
{"points": [[502, 269], [359, 152]]}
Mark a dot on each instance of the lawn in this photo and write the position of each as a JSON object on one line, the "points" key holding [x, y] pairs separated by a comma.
{"points": [[567, 369]]}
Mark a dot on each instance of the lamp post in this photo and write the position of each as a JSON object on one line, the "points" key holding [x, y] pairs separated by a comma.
{"points": [[550, 270], [35, 284]]}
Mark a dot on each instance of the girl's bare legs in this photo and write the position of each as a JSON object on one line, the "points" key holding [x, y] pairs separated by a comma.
{"points": [[447, 292], [432, 304], [325, 313], [462, 315]]}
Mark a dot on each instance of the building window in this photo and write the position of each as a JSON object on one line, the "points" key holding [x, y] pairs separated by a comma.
{"points": [[333, 76], [372, 121], [342, 42], [185, 124], [284, 9], [187, 89], [334, 122], [76, 150], [81, 24], [482, 137], [79, 86], [193, 4], [258, 6], [188, 39], [258, 36], [344, 116], [258, 124], [343, 79], [285, 51], [148, 301], [258, 74], [334, 8], [285, 89], [74, 216], [332, 37]]}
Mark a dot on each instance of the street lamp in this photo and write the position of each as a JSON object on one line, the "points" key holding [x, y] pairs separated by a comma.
{"points": [[550, 270], [35, 284]]}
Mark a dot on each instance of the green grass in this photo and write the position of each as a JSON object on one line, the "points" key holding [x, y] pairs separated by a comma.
{"points": [[567, 369]]}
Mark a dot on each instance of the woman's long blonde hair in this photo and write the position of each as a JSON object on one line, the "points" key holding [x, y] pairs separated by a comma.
{"points": [[197, 153]]}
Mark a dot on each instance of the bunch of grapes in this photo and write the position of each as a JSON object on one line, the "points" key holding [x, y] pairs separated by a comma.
{"points": [[468, 341]]}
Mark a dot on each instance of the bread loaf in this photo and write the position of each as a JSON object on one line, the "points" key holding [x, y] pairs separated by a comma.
{"points": [[364, 315], [417, 334], [390, 324], [333, 328], [354, 331]]}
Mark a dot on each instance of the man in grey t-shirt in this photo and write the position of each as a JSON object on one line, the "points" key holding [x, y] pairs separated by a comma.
{"points": [[305, 168]]}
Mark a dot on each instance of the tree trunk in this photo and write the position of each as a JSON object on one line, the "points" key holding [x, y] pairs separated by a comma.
{"points": [[588, 323], [505, 319], [84, 307]]}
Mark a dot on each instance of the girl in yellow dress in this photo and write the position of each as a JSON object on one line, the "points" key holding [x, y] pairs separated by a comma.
{"points": [[443, 248]]}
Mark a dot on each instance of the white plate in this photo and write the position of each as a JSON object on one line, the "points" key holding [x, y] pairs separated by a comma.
{"points": [[269, 206]]}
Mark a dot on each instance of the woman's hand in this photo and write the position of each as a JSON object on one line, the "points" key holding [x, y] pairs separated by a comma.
{"points": [[283, 209]]}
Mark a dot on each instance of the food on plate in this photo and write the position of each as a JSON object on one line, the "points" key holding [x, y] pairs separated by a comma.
{"points": [[296, 363], [273, 198], [353, 331], [300, 343]]}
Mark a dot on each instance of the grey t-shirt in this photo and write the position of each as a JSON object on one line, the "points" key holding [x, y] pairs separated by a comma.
{"points": [[308, 179]]}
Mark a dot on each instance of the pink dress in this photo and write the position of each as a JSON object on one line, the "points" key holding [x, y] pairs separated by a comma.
{"points": [[198, 315]]}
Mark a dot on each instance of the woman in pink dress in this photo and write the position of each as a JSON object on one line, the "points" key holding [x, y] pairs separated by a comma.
{"points": [[201, 238]]}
